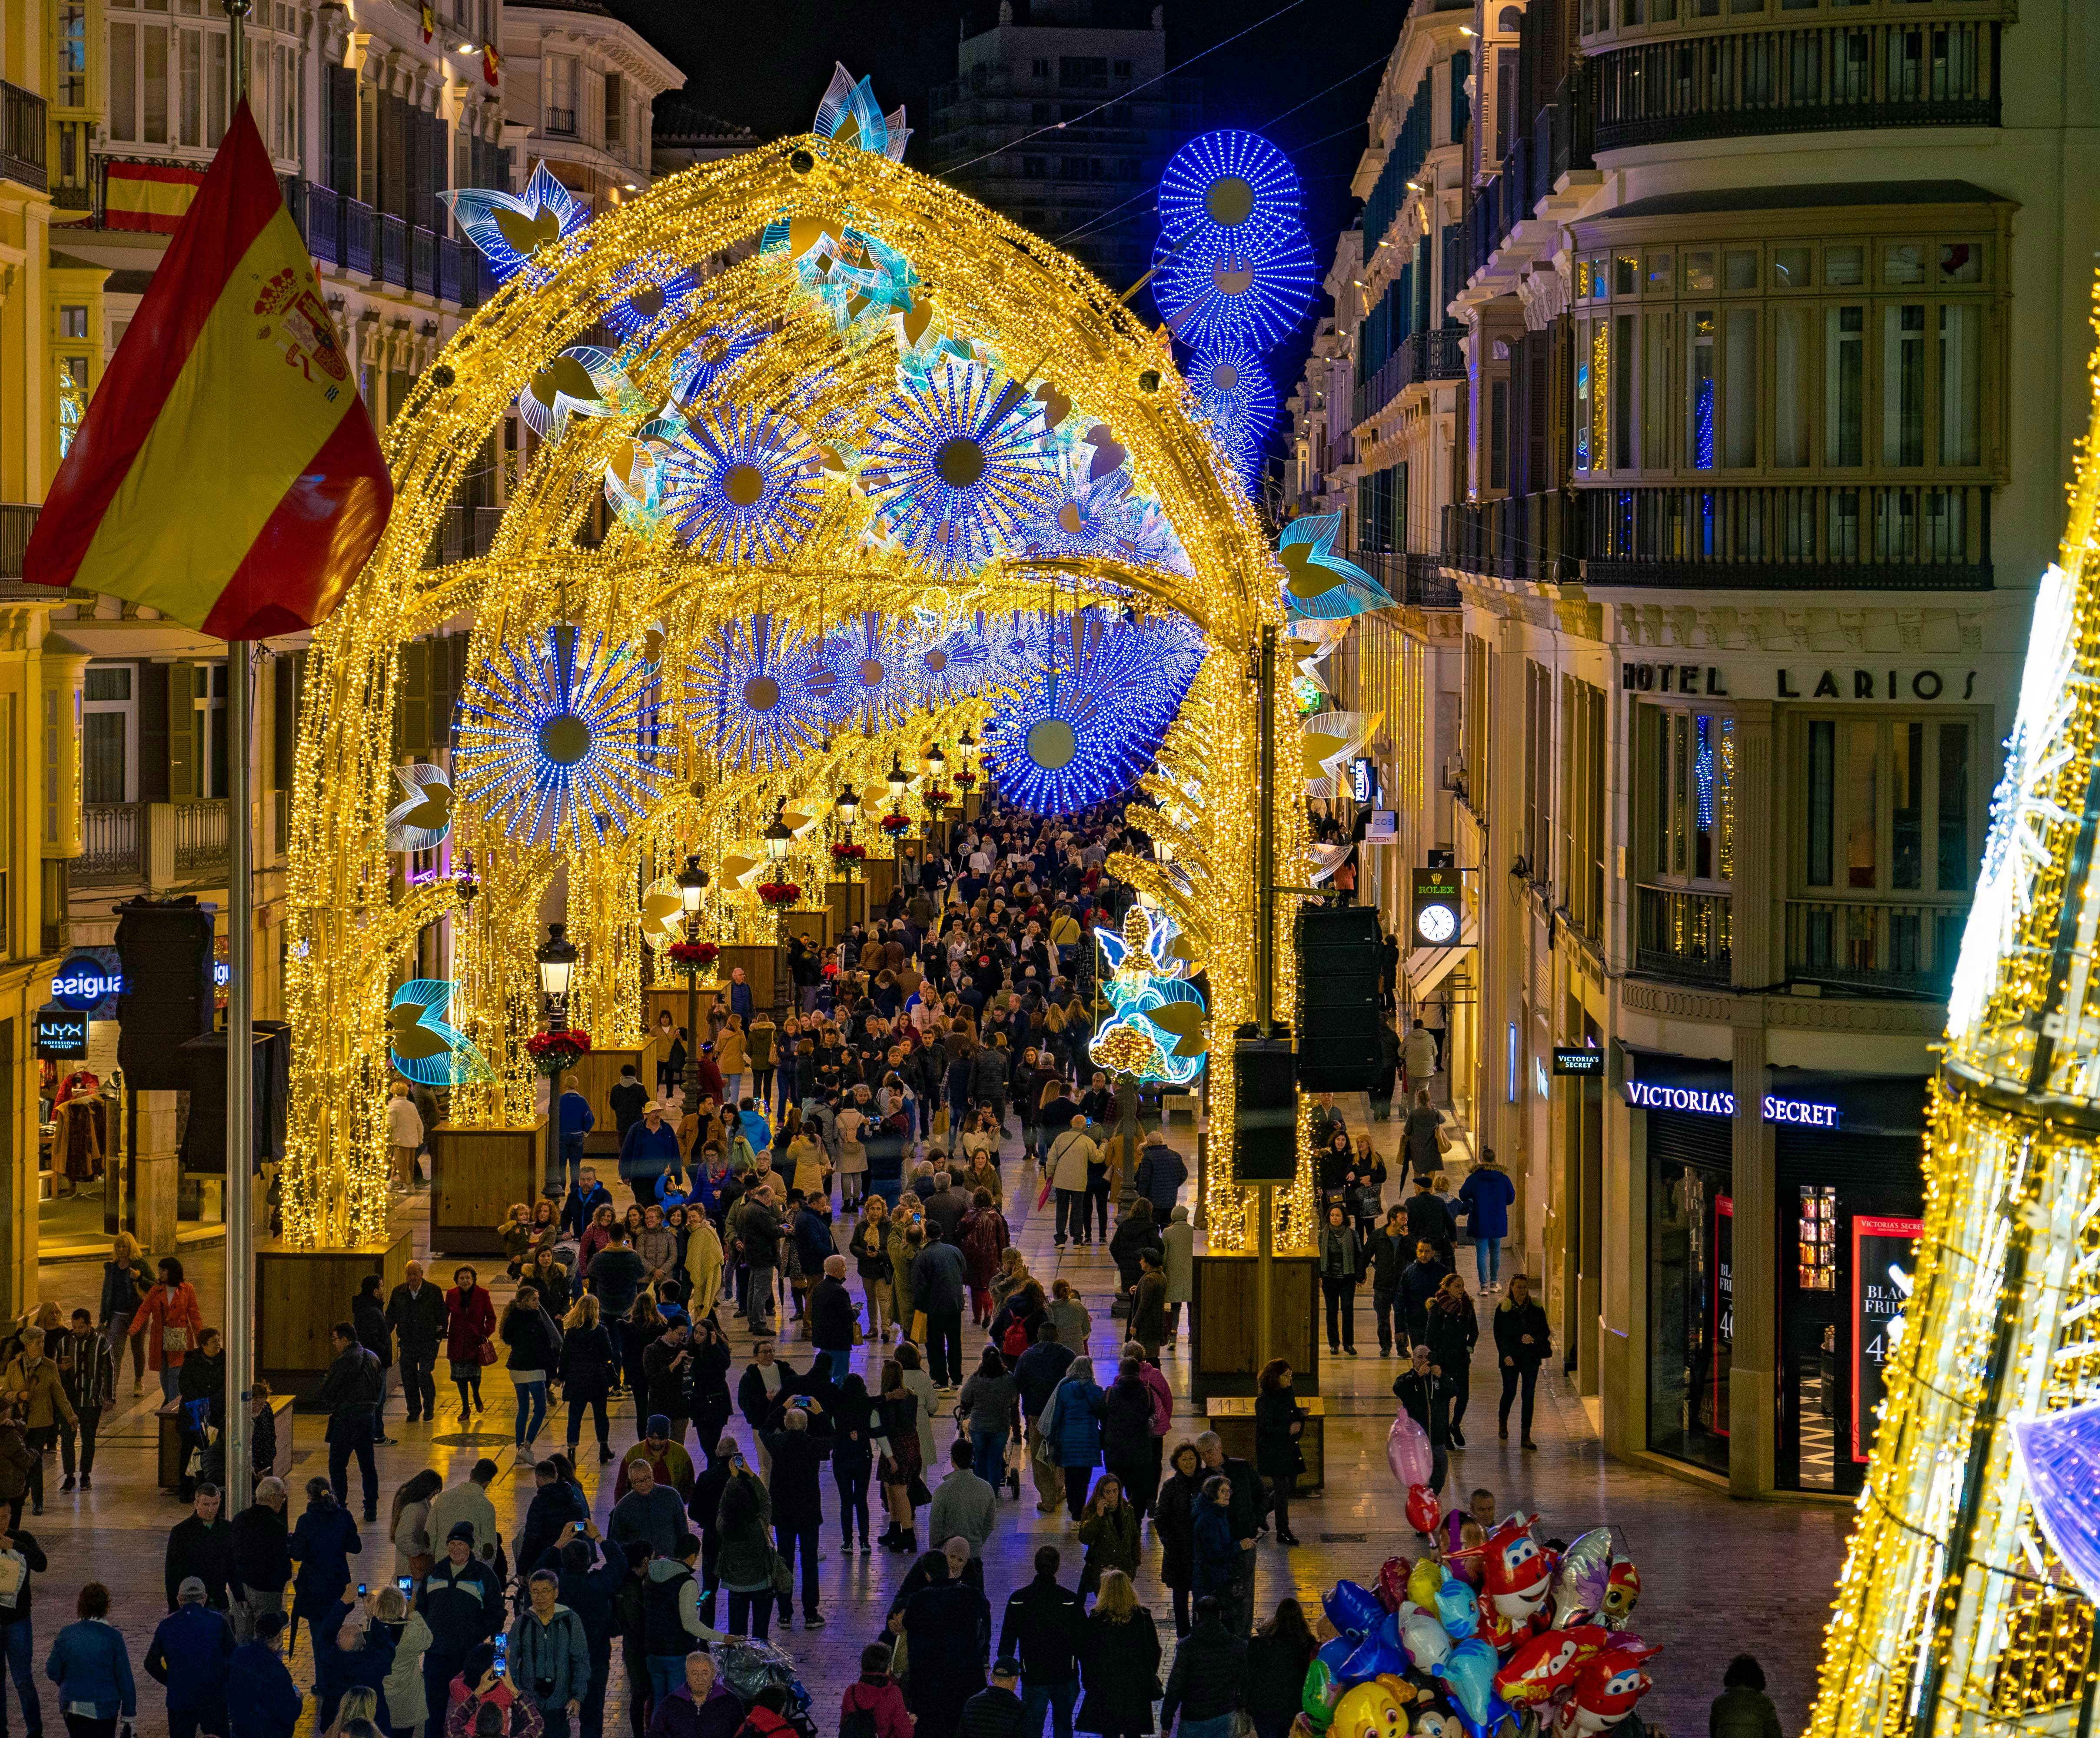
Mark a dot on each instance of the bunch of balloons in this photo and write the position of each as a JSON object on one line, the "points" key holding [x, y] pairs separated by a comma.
{"points": [[1541, 1641]]}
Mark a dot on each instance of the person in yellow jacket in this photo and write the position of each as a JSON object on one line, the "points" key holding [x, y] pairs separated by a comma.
{"points": [[732, 1057], [1064, 929], [809, 1169], [703, 1264]]}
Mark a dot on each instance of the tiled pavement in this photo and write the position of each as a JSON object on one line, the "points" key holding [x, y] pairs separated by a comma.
{"points": [[1717, 1576]]}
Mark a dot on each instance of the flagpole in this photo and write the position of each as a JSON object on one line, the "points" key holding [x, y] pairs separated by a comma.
{"points": [[239, 1012]]}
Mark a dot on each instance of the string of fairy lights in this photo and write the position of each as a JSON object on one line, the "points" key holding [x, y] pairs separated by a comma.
{"points": [[821, 437], [1967, 1602]]}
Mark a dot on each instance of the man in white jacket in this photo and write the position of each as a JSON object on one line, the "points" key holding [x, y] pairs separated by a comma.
{"points": [[1066, 1162]]}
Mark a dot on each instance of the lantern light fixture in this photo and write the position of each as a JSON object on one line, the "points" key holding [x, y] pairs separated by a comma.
{"points": [[692, 883]]}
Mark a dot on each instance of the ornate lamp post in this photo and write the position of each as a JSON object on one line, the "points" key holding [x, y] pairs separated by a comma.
{"points": [[972, 749], [557, 957], [692, 885], [778, 841], [899, 781], [845, 808]]}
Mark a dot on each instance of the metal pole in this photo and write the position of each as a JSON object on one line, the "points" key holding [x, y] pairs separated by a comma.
{"points": [[240, 1010], [1265, 1281], [689, 1088], [1264, 1254]]}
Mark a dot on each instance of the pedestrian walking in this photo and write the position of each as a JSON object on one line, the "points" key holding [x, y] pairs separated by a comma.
{"points": [[1486, 1197], [1522, 1341], [1279, 1424], [262, 1548], [469, 1321], [416, 1314], [92, 1669], [1118, 1663], [1338, 1258]]}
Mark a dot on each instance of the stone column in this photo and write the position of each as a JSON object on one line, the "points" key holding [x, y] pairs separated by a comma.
{"points": [[156, 1172], [1758, 878], [1754, 1269]]}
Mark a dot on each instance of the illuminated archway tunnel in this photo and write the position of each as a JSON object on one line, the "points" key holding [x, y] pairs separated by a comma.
{"points": [[899, 429]]}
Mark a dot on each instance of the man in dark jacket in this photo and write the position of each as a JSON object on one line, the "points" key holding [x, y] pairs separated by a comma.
{"points": [[554, 1507], [798, 1450], [1037, 1373], [937, 1288], [995, 1711], [201, 1544], [1161, 1172], [368, 1315], [591, 1576], [626, 1101], [1044, 1627], [667, 1363], [948, 1628], [1429, 1218], [262, 1559], [350, 1391], [416, 1313], [1426, 1392], [462, 1601], [758, 1243], [1209, 1677], [262, 1700], [1391, 1250], [1422, 1278], [190, 1653], [833, 1319], [583, 1198], [616, 1275]]}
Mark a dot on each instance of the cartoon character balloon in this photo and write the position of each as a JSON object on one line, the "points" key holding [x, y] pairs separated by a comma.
{"points": [[1424, 1581], [1408, 1453], [1381, 1651], [1369, 1710], [1393, 1583], [1456, 1609], [1622, 1593], [1579, 1583], [1547, 1663], [1424, 1640], [1605, 1691], [1520, 1574], [1436, 1718], [1354, 1610], [1469, 1678], [1422, 1510]]}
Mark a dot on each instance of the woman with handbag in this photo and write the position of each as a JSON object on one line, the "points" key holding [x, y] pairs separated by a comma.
{"points": [[584, 1366], [901, 1469], [469, 1321], [869, 1250], [746, 1560], [1278, 1422], [410, 1526], [169, 1319], [1174, 1522]]}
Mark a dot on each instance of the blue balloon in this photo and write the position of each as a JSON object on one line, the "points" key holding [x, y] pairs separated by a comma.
{"points": [[1380, 1651], [1335, 1654], [1469, 1668], [1354, 1610], [1457, 1608]]}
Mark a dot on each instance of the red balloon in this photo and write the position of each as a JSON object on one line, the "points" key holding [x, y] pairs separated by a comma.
{"points": [[1423, 1510], [1393, 1583]]}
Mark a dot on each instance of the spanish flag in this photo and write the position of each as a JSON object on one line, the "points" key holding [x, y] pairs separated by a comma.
{"points": [[226, 475], [151, 197]]}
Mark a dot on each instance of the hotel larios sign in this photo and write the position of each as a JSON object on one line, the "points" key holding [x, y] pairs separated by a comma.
{"points": [[1801, 682]]}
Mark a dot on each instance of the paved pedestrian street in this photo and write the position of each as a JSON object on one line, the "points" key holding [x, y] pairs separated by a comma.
{"points": [[1717, 1575]]}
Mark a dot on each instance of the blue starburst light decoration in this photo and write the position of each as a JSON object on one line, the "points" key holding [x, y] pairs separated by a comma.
{"points": [[560, 746], [651, 292], [510, 228], [425, 1047], [583, 381], [701, 365], [748, 689], [1321, 583], [1236, 296], [849, 114], [1147, 539], [872, 658], [956, 466], [1235, 396], [1090, 719], [1229, 192], [743, 485], [1081, 513]]}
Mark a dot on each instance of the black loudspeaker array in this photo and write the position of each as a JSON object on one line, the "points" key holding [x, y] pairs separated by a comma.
{"points": [[164, 950], [1337, 999], [1265, 1111]]}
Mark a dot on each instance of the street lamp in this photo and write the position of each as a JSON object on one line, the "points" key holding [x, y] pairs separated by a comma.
{"points": [[779, 840], [937, 763], [557, 956], [692, 885], [846, 805], [898, 780]]}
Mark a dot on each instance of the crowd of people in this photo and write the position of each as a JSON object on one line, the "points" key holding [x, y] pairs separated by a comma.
{"points": [[782, 1295]]}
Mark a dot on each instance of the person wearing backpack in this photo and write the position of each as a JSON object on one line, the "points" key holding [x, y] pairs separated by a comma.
{"points": [[873, 1705]]}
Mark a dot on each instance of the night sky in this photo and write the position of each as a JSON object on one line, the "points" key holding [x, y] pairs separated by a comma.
{"points": [[765, 63]]}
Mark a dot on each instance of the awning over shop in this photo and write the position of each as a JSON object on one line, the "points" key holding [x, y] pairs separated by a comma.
{"points": [[1426, 968]]}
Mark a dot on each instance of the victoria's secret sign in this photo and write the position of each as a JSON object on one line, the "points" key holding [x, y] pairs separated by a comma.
{"points": [[1796, 682]]}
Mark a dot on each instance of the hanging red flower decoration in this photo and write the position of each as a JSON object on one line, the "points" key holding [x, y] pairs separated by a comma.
{"points": [[779, 893], [689, 958], [553, 1053]]}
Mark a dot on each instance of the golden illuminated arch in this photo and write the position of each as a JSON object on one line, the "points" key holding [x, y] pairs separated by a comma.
{"points": [[352, 920]]}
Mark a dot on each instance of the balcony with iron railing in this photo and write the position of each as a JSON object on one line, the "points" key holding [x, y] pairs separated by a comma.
{"points": [[22, 137], [561, 121], [1683, 935], [1816, 537], [1414, 577], [1831, 78], [1524, 537], [1422, 356], [1903, 949], [112, 845]]}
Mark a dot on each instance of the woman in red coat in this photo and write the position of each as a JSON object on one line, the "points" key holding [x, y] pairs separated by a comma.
{"points": [[471, 1320], [168, 1315]]}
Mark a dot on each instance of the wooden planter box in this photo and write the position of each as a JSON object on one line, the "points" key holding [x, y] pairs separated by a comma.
{"points": [[300, 1294], [1225, 1349], [848, 904], [672, 995], [476, 1176]]}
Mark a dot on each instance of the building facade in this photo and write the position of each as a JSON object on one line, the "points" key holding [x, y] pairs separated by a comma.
{"points": [[114, 754], [1046, 123], [1769, 336]]}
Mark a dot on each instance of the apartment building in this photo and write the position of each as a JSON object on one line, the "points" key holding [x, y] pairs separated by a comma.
{"points": [[114, 744], [1764, 322], [1061, 118]]}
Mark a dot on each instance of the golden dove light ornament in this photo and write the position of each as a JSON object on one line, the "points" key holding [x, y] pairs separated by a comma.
{"points": [[510, 228], [1321, 583], [1154, 1030], [422, 818], [424, 1047]]}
